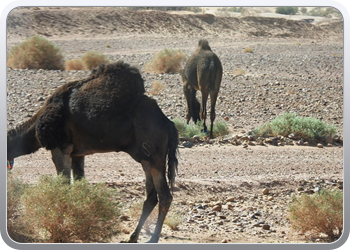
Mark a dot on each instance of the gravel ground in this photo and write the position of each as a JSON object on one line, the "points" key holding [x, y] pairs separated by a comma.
{"points": [[219, 188]]}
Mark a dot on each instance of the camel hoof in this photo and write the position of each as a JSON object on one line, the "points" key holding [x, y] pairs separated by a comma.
{"points": [[126, 241]]}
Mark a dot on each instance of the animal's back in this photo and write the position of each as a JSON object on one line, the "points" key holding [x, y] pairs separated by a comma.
{"points": [[109, 93]]}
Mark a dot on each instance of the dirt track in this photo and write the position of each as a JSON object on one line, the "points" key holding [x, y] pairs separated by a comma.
{"points": [[294, 66]]}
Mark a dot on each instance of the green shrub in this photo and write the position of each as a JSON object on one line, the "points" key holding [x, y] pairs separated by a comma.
{"points": [[36, 53], [190, 130], [318, 213], [166, 61], [287, 10], [92, 59], [304, 127], [220, 129], [67, 213]]}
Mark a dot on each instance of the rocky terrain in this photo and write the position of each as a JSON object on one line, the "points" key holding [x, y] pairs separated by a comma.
{"points": [[224, 192]]}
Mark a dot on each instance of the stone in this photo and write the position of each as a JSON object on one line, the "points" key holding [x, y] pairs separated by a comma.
{"points": [[217, 208], [265, 191], [230, 199]]}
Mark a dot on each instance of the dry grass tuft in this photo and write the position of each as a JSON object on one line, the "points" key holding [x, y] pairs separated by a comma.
{"points": [[36, 53], [157, 87], [74, 64], [92, 59], [166, 61]]}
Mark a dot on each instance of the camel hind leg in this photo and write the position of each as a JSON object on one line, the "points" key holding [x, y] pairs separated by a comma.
{"points": [[203, 109], [148, 205], [165, 199], [213, 97]]}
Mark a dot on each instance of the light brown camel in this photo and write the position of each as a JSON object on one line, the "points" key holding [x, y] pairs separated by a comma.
{"points": [[105, 112], [203, 72]]}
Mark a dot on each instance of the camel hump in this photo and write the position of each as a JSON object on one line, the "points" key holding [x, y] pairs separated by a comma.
{"points": [[114, 68], [128, 78], [203, 44]]}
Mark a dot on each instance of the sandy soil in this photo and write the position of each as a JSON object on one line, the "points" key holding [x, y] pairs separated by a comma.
{"points": [[294, 67]]}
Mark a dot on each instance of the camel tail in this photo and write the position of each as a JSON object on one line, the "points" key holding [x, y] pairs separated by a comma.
{"points": [[173, 142]]}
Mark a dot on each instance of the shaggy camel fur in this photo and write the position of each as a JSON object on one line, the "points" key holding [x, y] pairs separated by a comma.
{"points": [[203, 72], [105, 112]]}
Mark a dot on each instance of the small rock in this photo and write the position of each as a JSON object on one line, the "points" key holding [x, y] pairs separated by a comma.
{"points": [[224, 241], [230, 199], [217, 208], [319, 145], [265, 191], [266, 227], [188, 144]]}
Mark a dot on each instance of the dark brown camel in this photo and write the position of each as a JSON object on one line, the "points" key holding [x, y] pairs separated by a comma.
{"points": [[105, 112], [203, 72]]}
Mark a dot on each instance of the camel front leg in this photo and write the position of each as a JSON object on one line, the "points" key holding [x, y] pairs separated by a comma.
{"points": [[188, 92], [63, 160], [78, 167]]}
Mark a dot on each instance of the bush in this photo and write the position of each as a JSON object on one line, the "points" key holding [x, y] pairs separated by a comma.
{"points": [[67, 213], [166, 61], [92, 59], [74, 64], [303, 127], [15, 189], [190, 130], [173, 220], [36, 53], [318, 213], [287, 10]]}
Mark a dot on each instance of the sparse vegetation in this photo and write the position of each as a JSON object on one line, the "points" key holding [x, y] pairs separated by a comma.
{"points": [[88, 61], [74, 64], [319, 11], [173, 220], [166, 61], [92, 59], [304, 127], [318, 213], [239, 72], [15, 189], [287, 10], [231, 9], [69, 213], [36, 53], [248, 50], [190, 130]]}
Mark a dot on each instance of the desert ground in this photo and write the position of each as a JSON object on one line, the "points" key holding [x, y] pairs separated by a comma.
{"points": [[224, 192]]}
